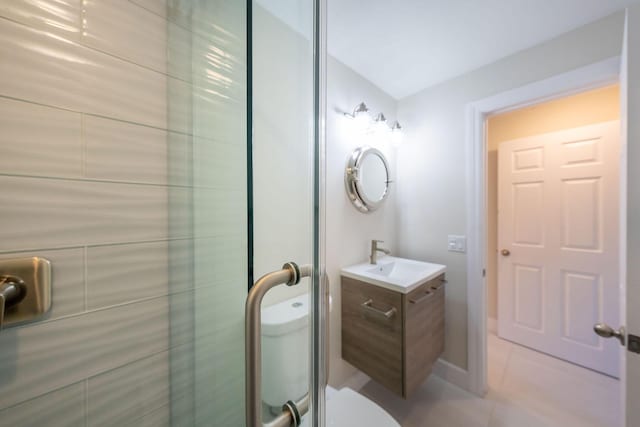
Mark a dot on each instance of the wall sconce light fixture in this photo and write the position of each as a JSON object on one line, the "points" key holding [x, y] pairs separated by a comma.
{"points": [[380, 124], [360, 110], [364, 122]]}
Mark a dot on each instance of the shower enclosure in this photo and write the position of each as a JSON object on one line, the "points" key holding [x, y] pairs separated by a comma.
{"points": [[162, 155]]}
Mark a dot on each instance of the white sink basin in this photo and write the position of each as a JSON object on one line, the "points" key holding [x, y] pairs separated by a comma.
{"points": [[397, 274]]}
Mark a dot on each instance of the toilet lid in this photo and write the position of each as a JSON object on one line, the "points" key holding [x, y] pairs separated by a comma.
{"points": [[346, 408]]}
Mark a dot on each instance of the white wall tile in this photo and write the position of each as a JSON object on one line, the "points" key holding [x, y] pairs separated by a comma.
{"points": [[161, 417], [37, 359], [123, 151], [61, 17], [64, 407], [118, 89], [179, 11], [182, 381], [43, 68], [126, 30], [47, 213], [121, 273], [181, 106], [229, 253], [38, 140], [219, 212], [181, 265], [67, 279], [218, 165], [179, 52], [181, 314], [124, 394], [224, 366], [39, 67], [180, 212], [158, 7], [215, 119], [179, 164]]}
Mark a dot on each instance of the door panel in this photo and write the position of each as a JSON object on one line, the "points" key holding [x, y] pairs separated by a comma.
{"points": [[558, 220], [528, 298]]}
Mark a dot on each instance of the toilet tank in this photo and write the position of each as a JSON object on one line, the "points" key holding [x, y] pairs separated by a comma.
{"points": [[285, 351]]}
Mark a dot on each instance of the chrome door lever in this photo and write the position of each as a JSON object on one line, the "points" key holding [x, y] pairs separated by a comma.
{"points": [[12, 292]]}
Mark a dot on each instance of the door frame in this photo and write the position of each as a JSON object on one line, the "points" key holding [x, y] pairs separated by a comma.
{"points": [[582, 79]]}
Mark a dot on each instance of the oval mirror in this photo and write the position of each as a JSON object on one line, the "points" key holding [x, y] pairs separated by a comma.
{"points": [[367, 178]]}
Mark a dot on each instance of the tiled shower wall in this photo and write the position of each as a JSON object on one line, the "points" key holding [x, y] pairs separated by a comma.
{"points": [[101, 116]]}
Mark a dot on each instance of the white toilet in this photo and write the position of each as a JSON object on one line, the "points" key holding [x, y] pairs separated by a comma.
{"points": [[285, 369]]}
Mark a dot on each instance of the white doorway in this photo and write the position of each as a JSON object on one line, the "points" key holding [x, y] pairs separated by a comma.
{"points": [[592, 76], [553, 208]]}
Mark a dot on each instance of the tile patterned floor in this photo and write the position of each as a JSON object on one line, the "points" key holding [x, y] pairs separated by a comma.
{"points": [[526, 389]]}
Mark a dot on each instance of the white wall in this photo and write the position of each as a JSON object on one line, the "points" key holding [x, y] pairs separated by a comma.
{"points": [[431, 161], [349, 232]]}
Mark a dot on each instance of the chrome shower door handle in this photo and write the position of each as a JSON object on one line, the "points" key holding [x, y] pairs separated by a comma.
{"points": [[12, 292], [292, 412]]}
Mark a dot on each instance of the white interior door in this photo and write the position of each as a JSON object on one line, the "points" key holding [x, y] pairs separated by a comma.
{"points": [[558, 233]]}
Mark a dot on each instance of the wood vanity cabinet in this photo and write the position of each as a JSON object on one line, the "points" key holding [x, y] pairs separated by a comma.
{"points": [[392, 337]]}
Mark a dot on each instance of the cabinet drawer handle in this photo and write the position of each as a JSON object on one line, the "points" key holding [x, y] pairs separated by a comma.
{"points": [[424, 297], [439, 285], [367, 306]]}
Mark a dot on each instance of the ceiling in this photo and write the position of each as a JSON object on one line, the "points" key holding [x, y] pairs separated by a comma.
{"points": [[403, 46]]}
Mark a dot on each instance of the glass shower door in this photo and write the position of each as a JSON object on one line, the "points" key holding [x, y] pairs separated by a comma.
{"points": [[162, 155]]}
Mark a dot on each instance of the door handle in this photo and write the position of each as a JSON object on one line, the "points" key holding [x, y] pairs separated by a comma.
{"points": [[505, 252], [292, 412], [605, 331]]}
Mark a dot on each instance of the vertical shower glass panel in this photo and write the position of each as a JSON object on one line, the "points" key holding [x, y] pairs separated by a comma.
{"points": [[207, 47], [282, 65]]}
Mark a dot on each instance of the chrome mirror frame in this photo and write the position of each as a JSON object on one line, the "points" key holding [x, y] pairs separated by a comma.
{"points": [[353, 184]]}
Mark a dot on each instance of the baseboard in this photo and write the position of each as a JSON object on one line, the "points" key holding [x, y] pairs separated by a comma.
{"points": [[452, 374], [356, 381], [443, 369], [492, 325]]}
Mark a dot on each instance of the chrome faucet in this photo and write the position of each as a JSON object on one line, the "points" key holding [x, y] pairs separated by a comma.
{"points": [[375, 249]]}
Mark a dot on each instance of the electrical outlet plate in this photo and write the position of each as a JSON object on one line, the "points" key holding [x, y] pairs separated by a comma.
{"points": [[456, 243]]}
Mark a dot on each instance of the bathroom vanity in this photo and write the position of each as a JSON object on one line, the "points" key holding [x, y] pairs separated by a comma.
{"points": [[393, 320]]}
